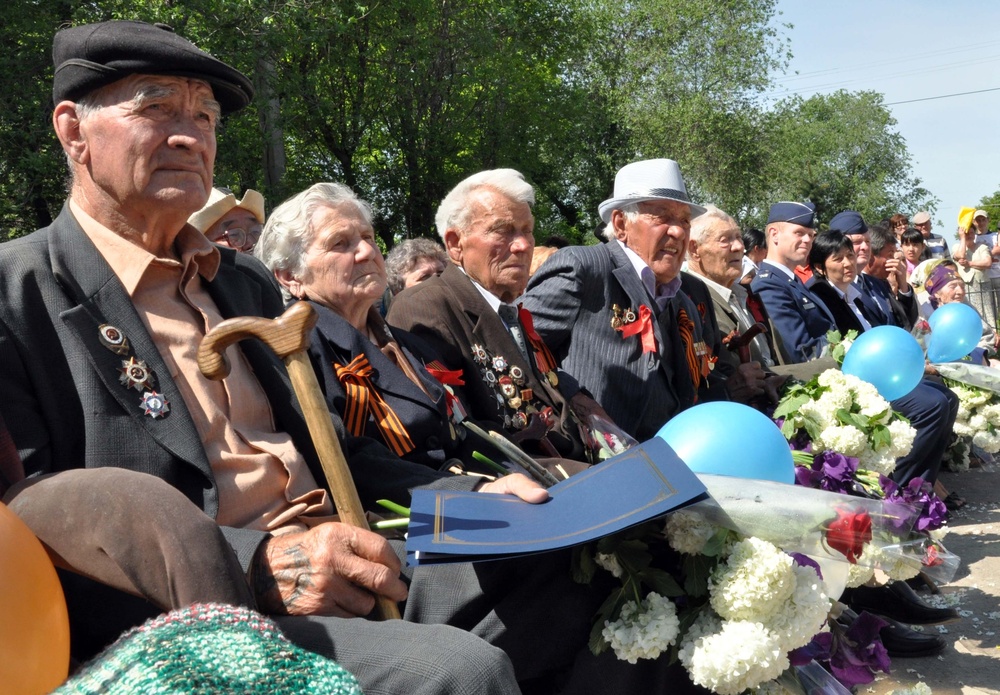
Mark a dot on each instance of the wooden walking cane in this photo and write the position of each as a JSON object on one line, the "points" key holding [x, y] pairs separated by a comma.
{"points": [[288, 337]]}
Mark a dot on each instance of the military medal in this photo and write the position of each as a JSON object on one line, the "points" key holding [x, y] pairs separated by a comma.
{"points": [[517, 374], [136, 375], [500, 363], [553, 378], [112, 338], [479, 354], [621, 318], [154, 404]]}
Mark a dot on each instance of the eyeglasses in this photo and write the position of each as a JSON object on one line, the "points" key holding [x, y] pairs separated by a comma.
{"points": [[241, 239]]}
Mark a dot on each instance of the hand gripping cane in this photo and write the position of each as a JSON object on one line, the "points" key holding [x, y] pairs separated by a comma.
{"points": [[288, 337]]}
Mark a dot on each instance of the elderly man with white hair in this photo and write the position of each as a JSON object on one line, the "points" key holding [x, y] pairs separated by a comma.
{"points": [[468, 314], [616, 316]]}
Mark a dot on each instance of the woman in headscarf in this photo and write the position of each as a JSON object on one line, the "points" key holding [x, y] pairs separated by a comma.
{"points": [[944, 285]]}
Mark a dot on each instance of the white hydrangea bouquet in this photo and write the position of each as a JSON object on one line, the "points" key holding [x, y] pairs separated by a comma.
{"points": [[978, 421], [728, 607], [839, 412]]}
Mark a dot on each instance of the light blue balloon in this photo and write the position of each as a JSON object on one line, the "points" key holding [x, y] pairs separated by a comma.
{"points": [[730, 439], [888, 358], [956, 329]]}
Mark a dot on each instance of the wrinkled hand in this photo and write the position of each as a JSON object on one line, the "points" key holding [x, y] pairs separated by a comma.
{"points": [[519, 485], [746, 383], [331, 569]]}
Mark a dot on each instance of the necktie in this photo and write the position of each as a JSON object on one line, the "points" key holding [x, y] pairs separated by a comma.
{"points": [[508, 314]]}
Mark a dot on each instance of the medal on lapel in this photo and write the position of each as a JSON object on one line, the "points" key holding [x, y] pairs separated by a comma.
{"points": [[154, 404], [136, 375], [113, 339]]}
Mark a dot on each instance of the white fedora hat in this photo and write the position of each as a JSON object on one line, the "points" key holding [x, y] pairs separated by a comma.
{"points": [[220, 202], [650, 179]]}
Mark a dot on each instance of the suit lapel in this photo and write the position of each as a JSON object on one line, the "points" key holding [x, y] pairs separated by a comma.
{"points": [[102, 300]]}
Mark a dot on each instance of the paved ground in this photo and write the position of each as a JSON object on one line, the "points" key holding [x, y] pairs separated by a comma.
{"points": [[971, 663]]}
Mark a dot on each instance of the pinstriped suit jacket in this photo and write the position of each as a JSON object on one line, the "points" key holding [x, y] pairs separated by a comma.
{"points": [[571, 297]]}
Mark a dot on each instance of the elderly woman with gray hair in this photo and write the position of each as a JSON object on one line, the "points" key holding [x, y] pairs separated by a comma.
{"points": [[385, 383], [412, 261]]}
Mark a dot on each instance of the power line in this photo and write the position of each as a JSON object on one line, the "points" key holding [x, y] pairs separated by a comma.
{"points": [[943, 96]]}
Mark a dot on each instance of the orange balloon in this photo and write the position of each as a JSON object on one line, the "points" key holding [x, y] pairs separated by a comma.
{"points": [[34, 625]]}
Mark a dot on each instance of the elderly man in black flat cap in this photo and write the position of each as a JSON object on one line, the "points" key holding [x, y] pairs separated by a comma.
{"points": [[101, 315]]}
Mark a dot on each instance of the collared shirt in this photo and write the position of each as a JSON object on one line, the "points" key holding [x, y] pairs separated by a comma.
{"points": [[736, 298], [491, 299], [660, 293], [852, 297], [263, 481]]}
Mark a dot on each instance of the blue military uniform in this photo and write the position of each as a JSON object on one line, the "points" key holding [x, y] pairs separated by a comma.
{"points": [[799, 317]]}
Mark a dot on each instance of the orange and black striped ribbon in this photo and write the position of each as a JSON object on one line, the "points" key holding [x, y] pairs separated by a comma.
{"points": [[685, 326], [543, 356], [363, 398]]}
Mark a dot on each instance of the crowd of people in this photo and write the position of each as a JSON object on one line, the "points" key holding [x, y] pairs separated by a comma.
{"points": [[154, 488]]}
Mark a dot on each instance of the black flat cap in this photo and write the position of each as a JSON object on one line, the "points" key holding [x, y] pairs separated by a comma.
{"points": [[94, 55]]}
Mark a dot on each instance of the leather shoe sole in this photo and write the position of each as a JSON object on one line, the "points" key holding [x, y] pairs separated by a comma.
{"points": [[899, 602]]}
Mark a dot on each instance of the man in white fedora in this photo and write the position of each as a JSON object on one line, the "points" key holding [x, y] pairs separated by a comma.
{"points": [[615, 315], [232, 222]]}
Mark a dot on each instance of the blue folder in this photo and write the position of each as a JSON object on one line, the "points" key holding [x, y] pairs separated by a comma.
{"points": [[643, 483]]}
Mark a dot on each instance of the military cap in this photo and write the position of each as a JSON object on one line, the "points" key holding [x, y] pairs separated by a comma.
{"points": [[848, 222], [91, 56], [803, 214]]}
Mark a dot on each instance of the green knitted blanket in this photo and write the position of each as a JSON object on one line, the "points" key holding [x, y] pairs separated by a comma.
{"points": [[209, 648]]}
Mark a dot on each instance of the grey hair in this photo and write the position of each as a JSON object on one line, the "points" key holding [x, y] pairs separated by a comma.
{"points": [[405, 255], [289, 229], [701, 224], [631, 212], [453, 212]]}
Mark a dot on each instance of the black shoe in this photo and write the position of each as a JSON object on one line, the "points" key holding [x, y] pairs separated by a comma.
{"points": [[900, 641], [898, 601]]}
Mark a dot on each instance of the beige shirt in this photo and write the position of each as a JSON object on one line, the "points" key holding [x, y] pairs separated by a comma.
{"points": [[263, 481]]}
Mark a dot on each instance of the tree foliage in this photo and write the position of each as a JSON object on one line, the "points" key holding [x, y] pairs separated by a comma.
{"points": [[401, 100]]}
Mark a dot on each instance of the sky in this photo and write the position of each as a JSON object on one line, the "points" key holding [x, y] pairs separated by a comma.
{"points": [[911, 50]]}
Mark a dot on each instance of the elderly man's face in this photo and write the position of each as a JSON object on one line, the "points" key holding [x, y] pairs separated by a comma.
{"points": [[982, 224], [720, 253], [238, 229], [788, 243], [925, 228], [344, 269], [152, 143], [659, 235], [862, 248], [496, 246]]}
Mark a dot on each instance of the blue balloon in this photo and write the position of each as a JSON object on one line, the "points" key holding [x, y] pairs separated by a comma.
{"points": [[888, 358], [730, 439], [956, 329]]}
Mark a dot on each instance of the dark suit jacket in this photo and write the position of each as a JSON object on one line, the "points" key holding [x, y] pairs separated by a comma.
{"points": [[888, 307], [65, 407], [572, 296], [799, 318], [421, 410], [843, 317], [450, 314]]}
